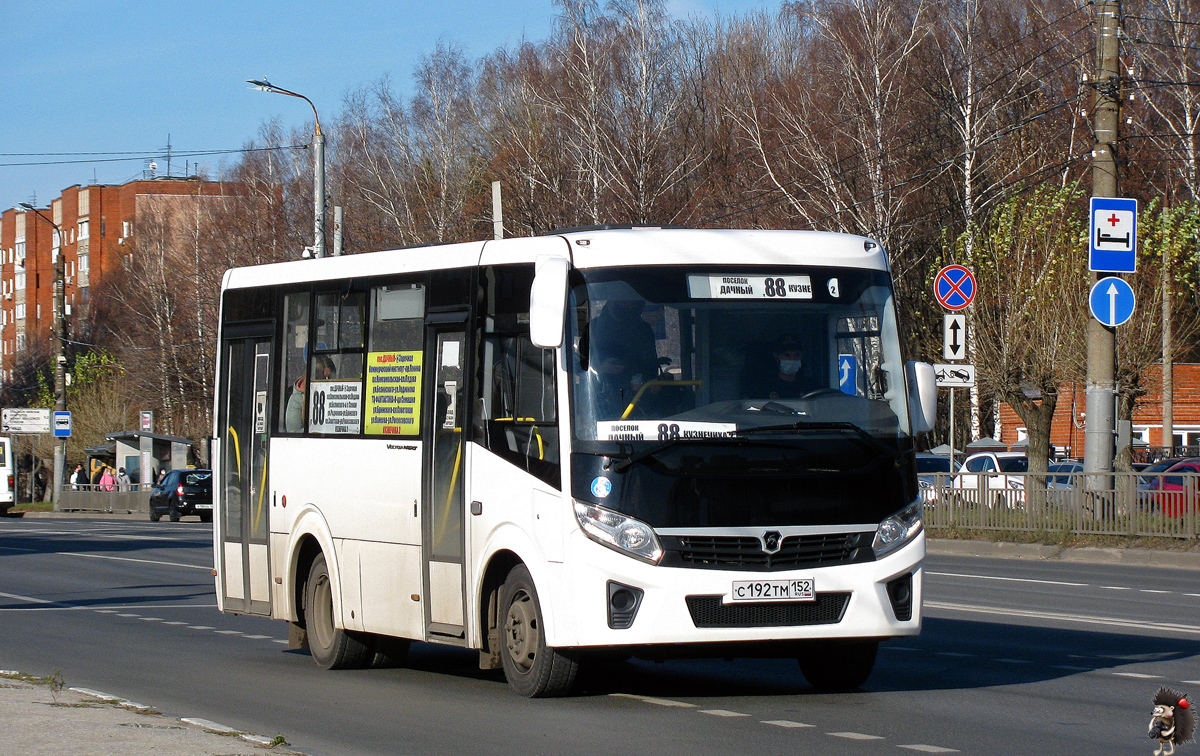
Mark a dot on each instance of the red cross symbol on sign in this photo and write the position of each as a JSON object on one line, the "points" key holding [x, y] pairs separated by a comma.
{"points": [[1113, 219]]}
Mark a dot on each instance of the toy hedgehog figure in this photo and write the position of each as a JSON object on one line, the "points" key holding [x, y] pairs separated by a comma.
{"points": [[1173, 721]]}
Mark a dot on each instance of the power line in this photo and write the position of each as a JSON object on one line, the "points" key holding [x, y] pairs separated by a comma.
{"points": [[151, 156]]}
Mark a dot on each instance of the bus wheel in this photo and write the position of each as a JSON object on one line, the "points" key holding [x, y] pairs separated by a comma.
{"points": [[531, 668], [838, 667], [331, 648]]}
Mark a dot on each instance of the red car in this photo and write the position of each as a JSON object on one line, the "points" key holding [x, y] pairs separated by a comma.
{"points": [[1177, 489]]}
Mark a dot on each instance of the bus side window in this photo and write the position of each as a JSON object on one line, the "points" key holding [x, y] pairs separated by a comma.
{"points": [[519, 403], [394, 355], [295, 363]]}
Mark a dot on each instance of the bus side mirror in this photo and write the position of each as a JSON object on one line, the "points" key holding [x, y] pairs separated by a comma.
{"points": [[922, 396], [548, 302]]}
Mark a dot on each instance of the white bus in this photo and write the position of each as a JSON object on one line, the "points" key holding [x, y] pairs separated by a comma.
{"points": [[648, 442]]}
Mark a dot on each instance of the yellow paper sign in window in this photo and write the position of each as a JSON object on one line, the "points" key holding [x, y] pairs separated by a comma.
{"points": [[393, 394]]}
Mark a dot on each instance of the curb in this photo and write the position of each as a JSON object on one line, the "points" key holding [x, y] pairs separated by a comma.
{"points": [[1084, 554]]}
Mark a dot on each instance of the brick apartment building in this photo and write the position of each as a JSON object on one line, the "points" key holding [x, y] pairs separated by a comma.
{"points": [[1067, 428], [97, 222]]}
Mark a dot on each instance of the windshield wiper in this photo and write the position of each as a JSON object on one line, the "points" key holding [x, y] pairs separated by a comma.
{"points": [[811, 425]]}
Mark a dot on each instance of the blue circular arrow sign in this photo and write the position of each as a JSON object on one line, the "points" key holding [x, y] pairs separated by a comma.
{"points": [[1111, 301]]}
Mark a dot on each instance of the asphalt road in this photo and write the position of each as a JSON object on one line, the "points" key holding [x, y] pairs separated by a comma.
{"points": [[1015, 657]]}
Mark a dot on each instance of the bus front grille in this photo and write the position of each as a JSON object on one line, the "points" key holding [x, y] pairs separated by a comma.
{"points": [[708, 611], [746, 552]]}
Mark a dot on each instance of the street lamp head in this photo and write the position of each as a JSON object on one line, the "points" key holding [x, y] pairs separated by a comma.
{"points": [[262, 86], [25, 205]]}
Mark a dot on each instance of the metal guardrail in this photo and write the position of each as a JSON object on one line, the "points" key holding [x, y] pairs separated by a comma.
{"points": [[1128, 504], [96, 498]]}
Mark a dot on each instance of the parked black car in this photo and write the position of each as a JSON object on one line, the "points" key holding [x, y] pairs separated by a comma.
{"points": [[183, 492]]}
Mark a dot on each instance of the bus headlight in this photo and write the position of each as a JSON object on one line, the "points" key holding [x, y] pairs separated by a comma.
{"points": [[898, 529], [616, 531]]}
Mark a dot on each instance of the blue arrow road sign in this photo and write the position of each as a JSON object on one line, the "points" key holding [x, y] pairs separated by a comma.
{"points": [[62, 424], [1111, 301], [848, 374], [1113, 245]]}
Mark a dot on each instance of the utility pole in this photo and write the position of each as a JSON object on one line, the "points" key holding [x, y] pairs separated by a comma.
{"points": [[60, 360], [1100, 428]]}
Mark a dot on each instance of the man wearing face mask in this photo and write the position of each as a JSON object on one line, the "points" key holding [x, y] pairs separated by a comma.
{"points": [[786, 381]]}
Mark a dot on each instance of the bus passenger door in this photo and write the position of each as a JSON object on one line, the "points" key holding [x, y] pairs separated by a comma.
{"points": [[243, 530], [446, 353]]}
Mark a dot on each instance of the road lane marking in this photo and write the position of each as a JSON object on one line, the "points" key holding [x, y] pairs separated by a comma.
{"points": [[199, 627], [1012, 661], [129, 615], [283, 642], [855, 736], [174, 623], [14, 548], [1151, 590], [1061, 617], [1009, 579], [723, 713], [206, 568], [1191, 682], [258, 637], [929, 748], [229, 632], [1138, 675], [1116, 588], [785, 723], [655, 701], [150, 619], [29, 599]]}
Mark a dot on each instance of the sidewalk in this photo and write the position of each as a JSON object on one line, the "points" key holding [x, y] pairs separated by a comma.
{"points": [[1087, 554], [34, 721]]}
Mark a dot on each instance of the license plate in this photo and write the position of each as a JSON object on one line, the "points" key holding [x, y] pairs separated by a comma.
{"points": [[204, 506], [798, 589]]}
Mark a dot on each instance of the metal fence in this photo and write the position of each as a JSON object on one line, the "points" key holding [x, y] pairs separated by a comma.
{"points": [[95, 498], [1128, 504]]}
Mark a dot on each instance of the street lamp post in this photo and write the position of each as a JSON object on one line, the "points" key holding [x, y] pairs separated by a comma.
{"points": [[318, 166], [60, 360]]}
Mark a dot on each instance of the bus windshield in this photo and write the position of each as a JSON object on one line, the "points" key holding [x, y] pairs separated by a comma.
{"points": [[788, 380], [677, 353]]}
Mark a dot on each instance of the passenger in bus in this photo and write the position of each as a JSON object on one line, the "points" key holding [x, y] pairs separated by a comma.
{"points": [[293, 416], [781, 377], [622, 353]]}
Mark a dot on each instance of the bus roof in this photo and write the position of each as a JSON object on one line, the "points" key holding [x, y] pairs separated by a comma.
{"points": [[588, 249]]}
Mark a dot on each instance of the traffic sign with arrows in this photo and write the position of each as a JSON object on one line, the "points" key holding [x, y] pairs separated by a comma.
{"points": [[1112, 301], [954, 336], [848, 374]]}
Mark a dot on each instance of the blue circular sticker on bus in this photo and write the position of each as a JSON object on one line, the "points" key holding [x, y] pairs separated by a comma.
{"points": [[601, 487]]}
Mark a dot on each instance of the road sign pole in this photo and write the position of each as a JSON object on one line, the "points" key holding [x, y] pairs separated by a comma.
{"points": [[951, 431], [1101, 340]]}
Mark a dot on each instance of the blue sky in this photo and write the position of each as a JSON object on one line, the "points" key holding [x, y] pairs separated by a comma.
{"points": [[109, 77]]}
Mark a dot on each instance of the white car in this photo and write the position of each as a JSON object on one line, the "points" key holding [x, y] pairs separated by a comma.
{"points": [[991, 472]]}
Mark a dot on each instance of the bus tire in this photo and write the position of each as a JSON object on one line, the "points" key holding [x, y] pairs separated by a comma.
{"points": [[531, 667], [838, 667], [387, 651], [331, 648]]}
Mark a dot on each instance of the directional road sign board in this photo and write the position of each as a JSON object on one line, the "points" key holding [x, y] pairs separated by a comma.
{"points": [[62, 424], [848, 374], [954, 287], [24, 420], [1111, 301], [1113, 245], [954, 336], [954, 376]]}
